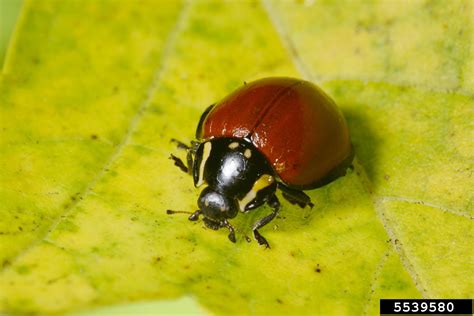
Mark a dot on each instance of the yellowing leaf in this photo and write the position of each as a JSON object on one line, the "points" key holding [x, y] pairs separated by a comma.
{"points": [[92, 92], [9, 11]]}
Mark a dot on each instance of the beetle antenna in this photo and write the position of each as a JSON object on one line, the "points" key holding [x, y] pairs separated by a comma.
{"points": [[171, 212], [193, 217]]}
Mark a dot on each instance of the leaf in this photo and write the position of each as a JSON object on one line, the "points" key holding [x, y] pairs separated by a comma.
{"points": [[9, 14], [184, 306], [93, 91]]}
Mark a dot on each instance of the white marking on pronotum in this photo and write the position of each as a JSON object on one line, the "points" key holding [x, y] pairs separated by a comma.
{"points": [[261, 183], [248, 153], [205, 155], [233, 145]]}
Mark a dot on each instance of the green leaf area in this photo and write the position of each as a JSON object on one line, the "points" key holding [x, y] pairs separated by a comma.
{"points": [[92, 92]]}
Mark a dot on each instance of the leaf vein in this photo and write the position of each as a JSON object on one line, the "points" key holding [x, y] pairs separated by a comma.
{"points": [[286, 41], [374, 279], [432, 205], [306, 73], [309, 75], [409, 267], [134, 122]]}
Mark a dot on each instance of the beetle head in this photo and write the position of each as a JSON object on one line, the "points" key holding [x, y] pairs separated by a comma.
{"points": [[216, 208]]}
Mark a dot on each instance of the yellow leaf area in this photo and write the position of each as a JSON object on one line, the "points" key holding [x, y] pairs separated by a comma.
{"points": [[93, 91]]}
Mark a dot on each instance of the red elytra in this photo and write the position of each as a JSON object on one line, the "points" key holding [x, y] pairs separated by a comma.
{"points": [[292, 122]]}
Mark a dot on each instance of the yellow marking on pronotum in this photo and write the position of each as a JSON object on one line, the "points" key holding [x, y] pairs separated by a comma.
{"points": [[233, 145], [261, 183], [205, 155], [248, 153]]}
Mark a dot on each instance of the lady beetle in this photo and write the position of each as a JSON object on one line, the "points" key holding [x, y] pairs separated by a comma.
{"points": [[273, 133]]}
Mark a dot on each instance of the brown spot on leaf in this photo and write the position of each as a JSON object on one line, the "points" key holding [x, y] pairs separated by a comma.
{"points": [[317, 269]]}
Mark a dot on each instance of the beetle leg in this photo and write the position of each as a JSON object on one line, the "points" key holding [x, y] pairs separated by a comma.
{"points": [[191, 150], [194, 145], [275, 204], [179, 163], [180, 144], [231, 231], [189, 160], [295, 196]]}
